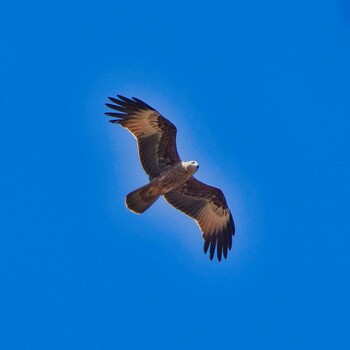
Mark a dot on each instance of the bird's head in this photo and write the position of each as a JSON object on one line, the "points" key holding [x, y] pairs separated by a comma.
{"points": [[191, 166]]}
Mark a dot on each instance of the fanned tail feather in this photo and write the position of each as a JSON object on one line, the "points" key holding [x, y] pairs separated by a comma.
{"points": [[141, 199]]}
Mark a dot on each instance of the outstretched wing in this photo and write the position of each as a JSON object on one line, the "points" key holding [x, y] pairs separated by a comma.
{"points": [[155, 135], [207, 205]]}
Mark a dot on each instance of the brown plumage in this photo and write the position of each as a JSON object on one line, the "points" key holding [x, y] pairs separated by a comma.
{"points": [[155, 135], [171, 177]]}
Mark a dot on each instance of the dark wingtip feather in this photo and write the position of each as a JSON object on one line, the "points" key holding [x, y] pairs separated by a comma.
{"points": [[206, 246], [143, 104], [118, 102], [127, 105], [232, 225], [115, 115], [116, 107], [110, 105], [219, 249], [114, 100], [125, 99], [212, 248], [225, 252]]}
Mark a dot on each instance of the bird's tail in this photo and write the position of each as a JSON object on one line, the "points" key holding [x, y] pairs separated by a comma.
{"points": [[141, 199]]}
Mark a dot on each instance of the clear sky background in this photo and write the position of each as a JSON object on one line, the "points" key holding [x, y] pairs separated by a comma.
{"points": [[260, 94]]}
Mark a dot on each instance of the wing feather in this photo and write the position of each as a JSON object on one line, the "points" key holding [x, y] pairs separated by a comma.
{"points": [[155, 135], [207, 205]]}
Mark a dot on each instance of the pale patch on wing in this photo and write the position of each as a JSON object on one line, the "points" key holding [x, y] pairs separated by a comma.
{"points": [[212, 219], [142, 124]]}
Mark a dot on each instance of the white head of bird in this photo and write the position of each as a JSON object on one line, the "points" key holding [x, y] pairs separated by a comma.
{"points": [[191, 166]]}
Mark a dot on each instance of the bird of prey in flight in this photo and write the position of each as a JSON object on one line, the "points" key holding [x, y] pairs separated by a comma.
{"points": [[171, 177]]}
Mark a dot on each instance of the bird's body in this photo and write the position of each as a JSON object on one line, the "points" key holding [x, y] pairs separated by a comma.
{"points": [[171, 177], [174, 176]]}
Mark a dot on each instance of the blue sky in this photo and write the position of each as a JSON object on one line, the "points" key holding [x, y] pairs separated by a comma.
{"points": [[260, 94]]}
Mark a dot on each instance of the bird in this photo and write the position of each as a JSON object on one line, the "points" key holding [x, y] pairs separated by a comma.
{"points": [[171, 177]]}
